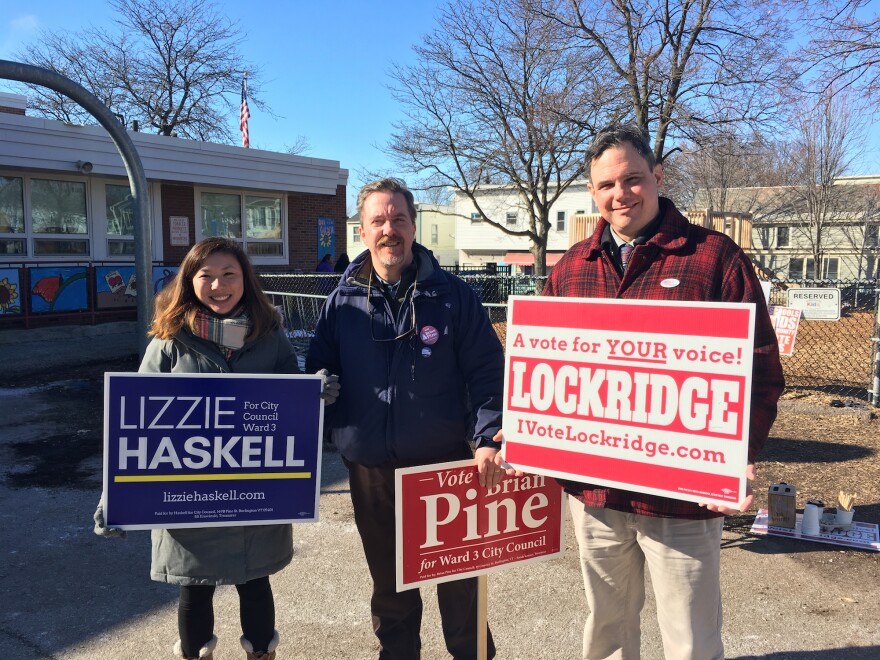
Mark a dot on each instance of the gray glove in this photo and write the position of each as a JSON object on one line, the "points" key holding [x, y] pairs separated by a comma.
{"points": [[101, 528], [330, 387]]}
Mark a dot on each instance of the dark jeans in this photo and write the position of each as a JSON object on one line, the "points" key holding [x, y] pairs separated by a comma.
{"points": [[397, 617], [195, 615]]}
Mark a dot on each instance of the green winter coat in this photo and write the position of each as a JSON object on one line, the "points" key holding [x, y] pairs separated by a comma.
{"points": [[220, 555]]}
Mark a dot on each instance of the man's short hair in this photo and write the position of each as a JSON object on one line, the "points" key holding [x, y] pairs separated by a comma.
{"points": [[391, 185], [616, 134]]}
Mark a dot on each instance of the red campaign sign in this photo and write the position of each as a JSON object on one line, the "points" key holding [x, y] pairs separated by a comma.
{"points": [[449, 527], [651, 396], [785, 322]]}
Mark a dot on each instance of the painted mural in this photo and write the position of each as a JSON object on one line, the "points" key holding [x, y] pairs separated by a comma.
{"points": [[10, 292], [58, 289], [326, 237], [162, 276], [116, 286]]}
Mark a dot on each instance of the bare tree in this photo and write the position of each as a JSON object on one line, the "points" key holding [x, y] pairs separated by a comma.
{"points": [[861, 231], [173, 66], [490, 102], [823, 150], [686, 66], [845, 45], [728, 172]]}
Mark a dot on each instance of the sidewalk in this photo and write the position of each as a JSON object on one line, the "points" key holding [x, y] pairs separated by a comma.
{"points": [[40, 350], [71, 595]]}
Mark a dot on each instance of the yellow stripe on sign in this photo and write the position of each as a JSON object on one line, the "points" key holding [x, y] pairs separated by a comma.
{"points": [[213, 477]]}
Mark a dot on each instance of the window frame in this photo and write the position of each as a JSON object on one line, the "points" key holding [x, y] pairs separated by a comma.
{"points": [[244, 241], [787, 233], [30, 238], [560, 220], [826, 268]]}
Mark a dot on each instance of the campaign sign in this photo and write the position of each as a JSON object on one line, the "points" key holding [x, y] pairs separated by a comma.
{"points": [[211, 450], [449, 527], [644, 395], [785, 322]]}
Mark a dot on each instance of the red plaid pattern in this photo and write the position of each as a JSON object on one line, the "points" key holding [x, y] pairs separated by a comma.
{"points": [[709, 267]]}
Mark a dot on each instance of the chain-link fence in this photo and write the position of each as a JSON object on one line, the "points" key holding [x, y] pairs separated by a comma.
{"points": [[835, 356], [839, 357]]}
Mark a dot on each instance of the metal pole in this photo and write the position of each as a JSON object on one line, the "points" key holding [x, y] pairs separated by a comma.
{"points": [[136, 178]]}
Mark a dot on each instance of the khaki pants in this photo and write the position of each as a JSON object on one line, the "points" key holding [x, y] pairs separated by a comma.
{"points": [[683, 557]]}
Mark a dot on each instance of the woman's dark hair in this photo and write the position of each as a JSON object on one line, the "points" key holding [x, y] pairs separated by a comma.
{"points": [[341, 263], [177, 304]]}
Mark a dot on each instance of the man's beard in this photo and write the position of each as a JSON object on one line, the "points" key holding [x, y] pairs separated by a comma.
{"points": [[389, 261]]}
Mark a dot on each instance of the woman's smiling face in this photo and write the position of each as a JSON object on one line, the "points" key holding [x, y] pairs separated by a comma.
{"points": [[219, 283]]}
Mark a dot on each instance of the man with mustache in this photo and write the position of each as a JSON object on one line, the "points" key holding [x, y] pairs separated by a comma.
{"points": [[422, 373]]}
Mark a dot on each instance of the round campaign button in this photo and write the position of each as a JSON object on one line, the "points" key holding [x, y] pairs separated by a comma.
{"points": [[670, 283], [429, 335], [426, 352]]}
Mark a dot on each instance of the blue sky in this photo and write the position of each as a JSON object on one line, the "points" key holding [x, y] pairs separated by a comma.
{"points": [[325, 69]]}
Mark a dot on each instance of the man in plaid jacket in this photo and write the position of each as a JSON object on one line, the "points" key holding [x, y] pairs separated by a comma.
{"points": [[643, 248]]}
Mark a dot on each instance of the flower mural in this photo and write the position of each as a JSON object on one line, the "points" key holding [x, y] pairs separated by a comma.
{"points": [[8, 297]]}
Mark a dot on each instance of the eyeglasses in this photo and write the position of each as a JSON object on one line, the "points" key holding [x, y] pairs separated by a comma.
{"points": [[412, 313]]}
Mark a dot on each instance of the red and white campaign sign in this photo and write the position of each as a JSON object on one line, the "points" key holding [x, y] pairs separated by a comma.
{"points": [[785, 322], [644, 395], [449, 527]]}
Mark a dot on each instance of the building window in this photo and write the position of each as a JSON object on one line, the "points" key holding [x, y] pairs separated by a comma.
{"points": [[253, 220], [795, 269], [781, 237], [560, 221], [831, 268], [43, 217], [120, 220], [871, 267], [476, 217], [811, 269], [355, 234], [435, 234], [12, 233], [871, 236], [511, 217]]}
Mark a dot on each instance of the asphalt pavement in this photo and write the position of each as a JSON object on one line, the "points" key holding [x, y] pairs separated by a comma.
{"points": [[68, 594]]}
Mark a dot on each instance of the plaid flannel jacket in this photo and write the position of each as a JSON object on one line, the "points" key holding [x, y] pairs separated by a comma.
{"points": [[709, 267]]}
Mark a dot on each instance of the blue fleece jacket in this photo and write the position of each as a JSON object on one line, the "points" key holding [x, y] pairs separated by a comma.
{"points": [[409, 400]]}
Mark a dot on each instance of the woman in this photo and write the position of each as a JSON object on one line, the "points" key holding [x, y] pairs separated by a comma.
{"points": [[215, 318]]}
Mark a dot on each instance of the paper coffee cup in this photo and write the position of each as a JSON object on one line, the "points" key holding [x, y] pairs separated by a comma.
{"points": [[810, 520]]}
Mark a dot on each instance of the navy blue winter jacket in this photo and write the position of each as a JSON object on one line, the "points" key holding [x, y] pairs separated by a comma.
{"points": [[410, 400]]}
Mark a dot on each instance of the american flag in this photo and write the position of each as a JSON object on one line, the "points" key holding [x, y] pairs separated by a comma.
{"points": [[245, 115]]}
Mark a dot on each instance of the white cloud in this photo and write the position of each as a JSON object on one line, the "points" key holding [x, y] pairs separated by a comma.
{"points": [[26, 24], [16, 32]]}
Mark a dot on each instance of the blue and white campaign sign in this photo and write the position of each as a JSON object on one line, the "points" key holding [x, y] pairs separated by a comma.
{"points": [[210, 450]]}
